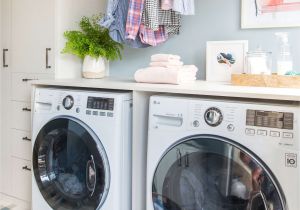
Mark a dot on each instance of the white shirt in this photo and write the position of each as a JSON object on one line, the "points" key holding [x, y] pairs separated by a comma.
{"points": [[184, 7]]}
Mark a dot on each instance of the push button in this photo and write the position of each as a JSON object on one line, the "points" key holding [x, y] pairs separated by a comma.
{"points": [[250, 132], [102, 114], [230, 127], [196, 123], [288, 135], [262, 132], [95, 113], [274, 133], [110, 114], [88, 112]]}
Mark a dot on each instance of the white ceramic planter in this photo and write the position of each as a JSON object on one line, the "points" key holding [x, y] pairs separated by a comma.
{"points": [[94, 68]]}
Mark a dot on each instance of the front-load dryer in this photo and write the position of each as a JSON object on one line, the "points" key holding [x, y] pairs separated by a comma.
{"points": [[81, 150], [206, 154]]}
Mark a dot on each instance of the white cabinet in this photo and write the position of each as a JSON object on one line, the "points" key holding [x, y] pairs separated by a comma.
{"points": [[21, 144], [32, 30], [21, 179], [21, 88], [32, 40], [21, 116], [28, 49]]}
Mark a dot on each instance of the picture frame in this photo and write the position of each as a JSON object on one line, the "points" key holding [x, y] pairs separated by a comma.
{"points": [[270, 13], [224, 58]]}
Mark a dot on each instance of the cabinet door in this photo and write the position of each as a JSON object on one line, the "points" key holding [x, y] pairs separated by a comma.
{"points": [[21, 87], [21, 184], [32, 36], [21, 116]]}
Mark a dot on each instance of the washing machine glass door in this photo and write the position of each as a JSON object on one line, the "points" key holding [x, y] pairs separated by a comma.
{"points": [[70, 166], [213, 173]]}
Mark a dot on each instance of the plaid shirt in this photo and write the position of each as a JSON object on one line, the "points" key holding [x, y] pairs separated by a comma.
{"points": [[153, 17], [134, 18], [153, 38]]}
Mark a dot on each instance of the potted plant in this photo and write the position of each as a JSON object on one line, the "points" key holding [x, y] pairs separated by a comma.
{"points": [[93, 45]]}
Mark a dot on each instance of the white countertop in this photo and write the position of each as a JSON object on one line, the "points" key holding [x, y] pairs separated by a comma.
{"points": [[195, 88]]}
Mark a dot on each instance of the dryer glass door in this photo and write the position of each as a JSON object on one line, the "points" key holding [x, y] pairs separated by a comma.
{"points": [[213, 173], [70, 166]]}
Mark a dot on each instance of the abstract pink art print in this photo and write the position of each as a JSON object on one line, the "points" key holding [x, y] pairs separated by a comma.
{"points": [[270, 13]]}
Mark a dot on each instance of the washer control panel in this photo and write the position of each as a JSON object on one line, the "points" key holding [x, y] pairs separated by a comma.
{"points": [[100, 103]]}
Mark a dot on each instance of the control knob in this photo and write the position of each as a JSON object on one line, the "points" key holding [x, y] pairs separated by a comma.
{"points": [[68, 102], [213, 117]]}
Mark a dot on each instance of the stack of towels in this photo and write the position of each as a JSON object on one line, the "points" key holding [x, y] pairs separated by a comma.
{"points": [[166, 69]]}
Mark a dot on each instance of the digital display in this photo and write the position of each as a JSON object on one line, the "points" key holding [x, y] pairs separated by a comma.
{"points": [[100, 103], [279, 120]]}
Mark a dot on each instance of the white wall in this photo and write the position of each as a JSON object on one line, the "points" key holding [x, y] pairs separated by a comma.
{"points": [[68, 15]]}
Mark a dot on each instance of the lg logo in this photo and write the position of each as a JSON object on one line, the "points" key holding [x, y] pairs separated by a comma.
{"points": [[291, 160]]}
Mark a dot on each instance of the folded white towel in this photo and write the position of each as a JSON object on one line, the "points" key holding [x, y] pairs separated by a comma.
{"points": [[164, 57], [186, 68], [171, 63], [164, 76]]}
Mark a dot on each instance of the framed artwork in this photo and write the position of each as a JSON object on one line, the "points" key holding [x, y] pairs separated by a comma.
{"points": [[270, 13], [224, 58]]}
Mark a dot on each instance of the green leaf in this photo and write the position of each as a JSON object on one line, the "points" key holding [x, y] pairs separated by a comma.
{"points": [[92, 40]]}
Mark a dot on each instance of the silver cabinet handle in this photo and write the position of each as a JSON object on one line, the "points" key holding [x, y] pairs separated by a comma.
{"points": [[26, 168], [4, 58], [47, 58], [27, 80], [26, 109], [26, 138]]}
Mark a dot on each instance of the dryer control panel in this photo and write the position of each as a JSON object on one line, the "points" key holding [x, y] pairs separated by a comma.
{"points": [[270, 119]]}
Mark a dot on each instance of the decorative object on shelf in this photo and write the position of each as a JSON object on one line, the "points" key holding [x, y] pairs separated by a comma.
{"points": [[262, 80], [224, 58], [270, 13], [94, 45], [259, 62]]}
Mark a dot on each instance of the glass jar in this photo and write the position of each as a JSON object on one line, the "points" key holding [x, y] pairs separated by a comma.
{"points": [[259, 62]]}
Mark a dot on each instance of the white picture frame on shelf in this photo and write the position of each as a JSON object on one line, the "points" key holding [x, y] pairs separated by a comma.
{"points": [[224, 58], [270, 13]]}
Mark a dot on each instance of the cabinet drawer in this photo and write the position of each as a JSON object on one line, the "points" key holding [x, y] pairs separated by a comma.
{"points": [[21, 88], [21, 179], [21, 144], [21, 116]]}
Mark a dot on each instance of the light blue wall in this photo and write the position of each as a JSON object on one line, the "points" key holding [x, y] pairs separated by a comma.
{"points": [[215, 20]]}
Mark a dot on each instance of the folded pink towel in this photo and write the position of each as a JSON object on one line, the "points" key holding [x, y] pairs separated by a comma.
{"points": [[171, 63], [166, 4], [164, 57], [163, 76]]}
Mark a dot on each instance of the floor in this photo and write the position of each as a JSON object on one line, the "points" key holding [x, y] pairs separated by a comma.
{"points": [[8, 203]]}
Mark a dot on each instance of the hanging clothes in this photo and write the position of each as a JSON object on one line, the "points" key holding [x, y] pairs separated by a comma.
{"points": [[115, 20], [154, 16], [151, 37], [150, 14], [166, 4], [134, 18], [171, 20], [184, 7]]}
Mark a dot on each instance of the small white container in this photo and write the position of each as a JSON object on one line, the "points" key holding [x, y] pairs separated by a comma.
{"points": [[259, 62], [94, 68]]}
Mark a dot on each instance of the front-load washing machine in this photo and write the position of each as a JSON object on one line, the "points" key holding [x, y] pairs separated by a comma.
{"points": [[206, 154], [81, 150]]}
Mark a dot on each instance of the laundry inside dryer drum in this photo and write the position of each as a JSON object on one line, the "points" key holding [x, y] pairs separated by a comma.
{"points": [[212, 173], [70, 166]]}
